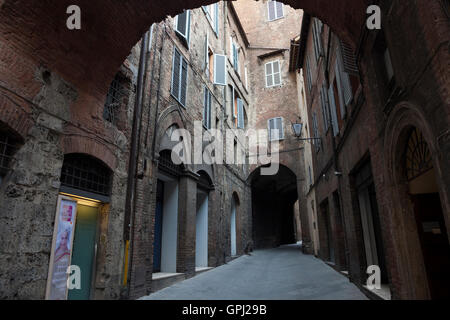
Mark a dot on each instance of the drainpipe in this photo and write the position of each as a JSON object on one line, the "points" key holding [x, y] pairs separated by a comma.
{"points": [[158, 92], [335, 155], [133, 160]]}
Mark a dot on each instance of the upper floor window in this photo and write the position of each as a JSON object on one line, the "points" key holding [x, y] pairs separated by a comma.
{"points": [[276, 129], [345, 64], [308, 74], [113, 100], [183, 26], [179, 77], [315, 128], [275, 10], [317, 28], [273, 74], [215, 65], [238, 110], [234, 53], [212, 13]]}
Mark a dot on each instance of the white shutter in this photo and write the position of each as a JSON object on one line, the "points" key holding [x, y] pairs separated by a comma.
{"points": [[323, 103], [271, 9], [220, 69], [240, 113], [269, 72], [182, 24], [280, 128], [276, 73], [279, 9], [183, 81], [334, 119], [216, 18], [231, 50]]}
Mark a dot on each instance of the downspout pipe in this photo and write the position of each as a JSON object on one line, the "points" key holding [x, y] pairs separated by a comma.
{"points": [[133, 160]]}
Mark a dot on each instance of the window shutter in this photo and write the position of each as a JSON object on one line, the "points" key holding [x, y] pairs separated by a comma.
{"points": [[279, 9], [184, 75], [231, 50], [340, 91], [349, 58], [205, 108], [182, 24], [345, 80], [220, 69], [271, 5], [334, 119], [270, 127], [279, 122], [323, 102], [276, 73], [308, 74], [216, 19], [206, 53], [269, 72], [176, 74], [240, 113]]}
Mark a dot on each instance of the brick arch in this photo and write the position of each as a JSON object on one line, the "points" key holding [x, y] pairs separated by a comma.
{"points": [[86, 145], [15, 116], [36, 31], [409, 275]]}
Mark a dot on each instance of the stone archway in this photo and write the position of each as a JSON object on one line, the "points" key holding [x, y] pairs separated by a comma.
{"points": [[411, 271]]}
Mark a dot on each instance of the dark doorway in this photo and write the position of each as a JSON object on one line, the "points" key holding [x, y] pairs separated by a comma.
{"points": [[158, 227], [326, 235], [273, 200]]}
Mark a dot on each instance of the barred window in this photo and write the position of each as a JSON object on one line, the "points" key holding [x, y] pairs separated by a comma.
{"points": [[86, 173], [7, 149], [113, 100]]}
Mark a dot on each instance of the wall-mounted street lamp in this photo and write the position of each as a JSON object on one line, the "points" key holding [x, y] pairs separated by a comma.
{"points": [[297, 128]]}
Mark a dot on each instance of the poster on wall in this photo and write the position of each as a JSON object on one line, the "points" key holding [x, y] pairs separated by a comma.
{"points": [[62, 250]]}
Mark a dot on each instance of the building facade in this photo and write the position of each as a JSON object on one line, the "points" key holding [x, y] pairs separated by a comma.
{"points": [[364, 107]]}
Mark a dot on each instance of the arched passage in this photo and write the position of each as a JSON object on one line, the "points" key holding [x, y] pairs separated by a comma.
{"points": [[273, 200]]}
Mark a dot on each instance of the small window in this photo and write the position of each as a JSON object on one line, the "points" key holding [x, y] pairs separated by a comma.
{"points": [[7, 149], [273, 74], [308, 74], [276, 10], [317, 37], [276, 129], [113, 100], [234, 55], [207, 109], [179, 77], [183, 26]]}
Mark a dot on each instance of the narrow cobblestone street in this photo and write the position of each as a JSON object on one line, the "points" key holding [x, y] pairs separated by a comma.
{"points": [[283, 273]]}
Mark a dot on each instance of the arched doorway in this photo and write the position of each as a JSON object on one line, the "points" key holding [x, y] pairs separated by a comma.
{"points": [[84, 194], [204, 186], [273, 200], [424, 194]]}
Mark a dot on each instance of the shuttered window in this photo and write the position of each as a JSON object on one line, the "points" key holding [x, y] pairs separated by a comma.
{"points": [[315, 131], [317, 37], [212, 13], [207, 109], [308, 74], [182, 25], [220, 69], [275, 10], [179, 77], [276, 131], [343, 82], [334, 120], [324, 104], [234, 55], [240, 114], [273, 74]]}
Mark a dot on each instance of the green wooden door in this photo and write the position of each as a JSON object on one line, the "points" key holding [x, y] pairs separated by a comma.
{"points": [[84, 249]]}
